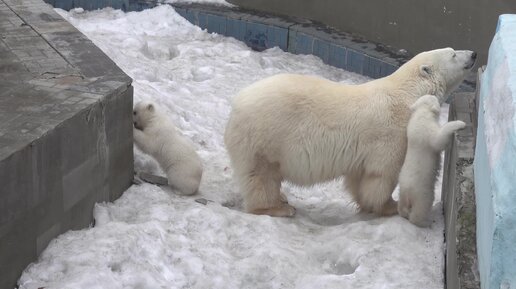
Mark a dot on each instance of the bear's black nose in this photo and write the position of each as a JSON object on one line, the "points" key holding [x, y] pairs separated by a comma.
{"points": [[474, 55]]}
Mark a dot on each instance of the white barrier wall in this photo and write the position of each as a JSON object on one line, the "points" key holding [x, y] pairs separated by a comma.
{"points": [[495, 161]]}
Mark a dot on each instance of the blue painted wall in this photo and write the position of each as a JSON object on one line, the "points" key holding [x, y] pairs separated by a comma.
{"points": [[495, 162], [293, 38], [125, 5]]}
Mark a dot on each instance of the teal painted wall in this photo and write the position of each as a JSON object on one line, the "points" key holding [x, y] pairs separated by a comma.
{"points": [[495, 161]]}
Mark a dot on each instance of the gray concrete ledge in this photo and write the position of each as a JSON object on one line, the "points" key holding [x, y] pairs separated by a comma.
{"points": [[458, 195], [65, 131]]}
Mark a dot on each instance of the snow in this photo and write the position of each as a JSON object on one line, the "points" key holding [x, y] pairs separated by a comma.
{"points": [[153, 238]]}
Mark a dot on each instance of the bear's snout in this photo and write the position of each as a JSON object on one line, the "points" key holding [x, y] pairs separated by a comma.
{"points": [[471, 61]]}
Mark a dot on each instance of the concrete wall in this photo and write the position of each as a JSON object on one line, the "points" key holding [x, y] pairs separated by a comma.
{"points": [[65, 131], [414, 25], [495, 161], [459, 199]]}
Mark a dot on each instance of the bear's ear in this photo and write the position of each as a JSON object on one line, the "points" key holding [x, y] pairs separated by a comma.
{"points": [[436, 108], [150, 107], [425, 70]]}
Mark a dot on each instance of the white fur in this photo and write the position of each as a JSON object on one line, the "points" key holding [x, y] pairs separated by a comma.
{"points": [[156, 135], [426, 140], [308, 130]]}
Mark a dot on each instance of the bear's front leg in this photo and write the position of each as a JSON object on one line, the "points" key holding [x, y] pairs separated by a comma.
{"points": [[263, 197], [443, 137], [262, 190], [142, 141]]}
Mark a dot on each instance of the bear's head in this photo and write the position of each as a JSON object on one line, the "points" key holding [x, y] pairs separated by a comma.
{"points": [[429, 102], [440, 71], [143, 114]]}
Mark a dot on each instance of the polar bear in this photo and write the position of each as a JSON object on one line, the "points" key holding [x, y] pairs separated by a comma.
{"points": [[426, 140], [154, 134], [307, 130]]}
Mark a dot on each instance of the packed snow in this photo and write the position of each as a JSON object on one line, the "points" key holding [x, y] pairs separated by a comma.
{"points": [[154, 238]]}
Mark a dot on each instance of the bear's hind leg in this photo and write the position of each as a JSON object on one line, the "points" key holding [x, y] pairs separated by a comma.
{"points": [[404, 205], [352, 184], [376, 194], [420, 213], [186, 183], [262, 190]]}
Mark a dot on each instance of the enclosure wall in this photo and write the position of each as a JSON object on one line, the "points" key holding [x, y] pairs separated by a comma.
{"points": [[414, 25], [495, 161], [65, 131]]}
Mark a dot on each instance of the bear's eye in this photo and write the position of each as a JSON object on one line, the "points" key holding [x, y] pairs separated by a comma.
{"points": [[134, 112], [454, 54]]}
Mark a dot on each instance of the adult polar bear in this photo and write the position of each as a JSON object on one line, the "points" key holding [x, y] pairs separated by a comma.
{"points": [[307, 130]]}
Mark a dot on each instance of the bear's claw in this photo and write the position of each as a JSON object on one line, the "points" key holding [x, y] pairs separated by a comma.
{"points": [[285, 210]]}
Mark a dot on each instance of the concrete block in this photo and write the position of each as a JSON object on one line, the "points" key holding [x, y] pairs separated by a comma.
{"points": [[235, 28], [355, 61], [119, 136], [65, 140], [388, 68], [181, 11], [140, 5], [256, 36], [259, 17], [292, 41], [337, 56], [373, 67], [216, 24], [17, 251], [63, 4], [202, 20], [277, 36], [304, 43], [321, 48], [47, 236]]}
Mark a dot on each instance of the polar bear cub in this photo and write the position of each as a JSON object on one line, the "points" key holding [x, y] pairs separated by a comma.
{"points": [[156, 135], [426, 140]]}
